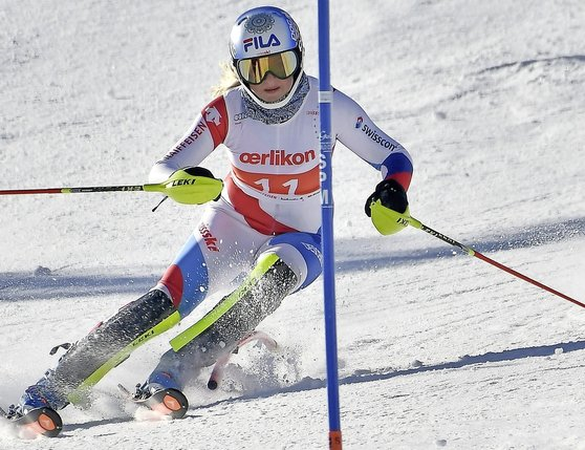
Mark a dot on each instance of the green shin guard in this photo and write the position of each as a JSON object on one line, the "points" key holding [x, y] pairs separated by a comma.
{"points": [[92, 357], [237, 314]]}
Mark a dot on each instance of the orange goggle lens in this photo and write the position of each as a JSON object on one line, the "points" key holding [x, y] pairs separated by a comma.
{"points": [[281, 65]]}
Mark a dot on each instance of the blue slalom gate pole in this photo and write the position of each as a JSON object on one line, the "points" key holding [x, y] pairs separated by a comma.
{"points": [[326, 145]]}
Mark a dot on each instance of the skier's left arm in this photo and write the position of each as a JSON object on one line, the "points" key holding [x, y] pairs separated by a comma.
{"points": [[355, 130]]}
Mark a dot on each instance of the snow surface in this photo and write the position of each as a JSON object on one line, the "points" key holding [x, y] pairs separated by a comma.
{"points": [[436, 349]]}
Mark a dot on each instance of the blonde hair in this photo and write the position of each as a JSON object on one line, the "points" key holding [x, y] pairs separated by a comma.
{"points": [[227, 81]]}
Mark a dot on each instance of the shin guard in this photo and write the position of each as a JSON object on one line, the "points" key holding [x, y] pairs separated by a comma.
{"points": [[110, 343], [237, 314]]}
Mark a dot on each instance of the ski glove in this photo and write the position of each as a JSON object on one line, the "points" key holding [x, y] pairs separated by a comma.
{"points": [[386, 207], [197, 171], [391, 195]]}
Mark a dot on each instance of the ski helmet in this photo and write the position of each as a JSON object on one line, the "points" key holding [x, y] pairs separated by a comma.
{"points": [[266, 39]]}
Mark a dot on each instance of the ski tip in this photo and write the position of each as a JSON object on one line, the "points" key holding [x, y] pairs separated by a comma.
{"points": [[171, 402], [39, 422], [166, 403]]}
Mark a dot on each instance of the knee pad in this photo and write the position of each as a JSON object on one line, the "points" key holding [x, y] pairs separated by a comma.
{"points": [[302, 253]]}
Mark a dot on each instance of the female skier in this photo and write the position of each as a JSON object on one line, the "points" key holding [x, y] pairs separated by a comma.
{"points": [[265, 223]]}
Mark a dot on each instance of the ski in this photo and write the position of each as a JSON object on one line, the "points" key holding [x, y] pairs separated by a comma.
{"points": [[219, 367], [42, 421], [169, 402]]}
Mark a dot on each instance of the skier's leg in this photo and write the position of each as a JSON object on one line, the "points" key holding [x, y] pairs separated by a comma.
{"points": [[181, 289], [106, 346], [298, 264], [225, 248], [254, 303]]}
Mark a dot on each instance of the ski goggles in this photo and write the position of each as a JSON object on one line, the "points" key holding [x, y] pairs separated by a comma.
{"points": [[281, 65]]}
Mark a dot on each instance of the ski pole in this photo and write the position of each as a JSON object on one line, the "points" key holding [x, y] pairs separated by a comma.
{"points": [[406, 219], [73, 190], [183, 187]]}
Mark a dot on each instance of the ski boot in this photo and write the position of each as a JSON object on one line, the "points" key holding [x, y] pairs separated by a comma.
{"points": [[36, 413]]}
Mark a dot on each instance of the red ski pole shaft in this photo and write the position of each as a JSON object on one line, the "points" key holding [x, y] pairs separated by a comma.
{"points": [[526, 278], [472, 252]]}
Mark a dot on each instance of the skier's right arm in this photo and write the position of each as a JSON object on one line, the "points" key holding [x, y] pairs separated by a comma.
{"points": [[208, 131]]}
